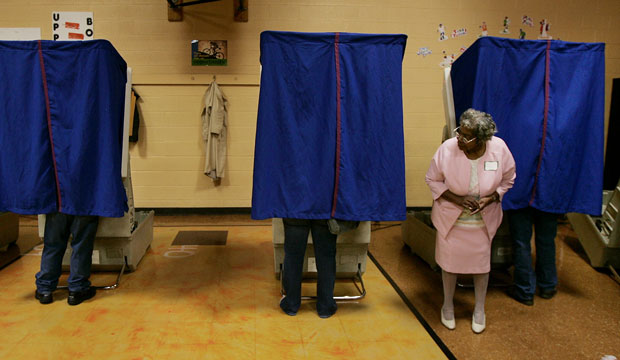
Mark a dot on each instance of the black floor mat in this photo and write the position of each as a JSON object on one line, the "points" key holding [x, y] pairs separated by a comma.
{"points": [[200, 238]]}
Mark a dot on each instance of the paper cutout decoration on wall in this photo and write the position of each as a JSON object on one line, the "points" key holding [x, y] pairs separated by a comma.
{"points": [[442, 32], [506, 22], [544, 27], [447, 60], [458, 32], [527, 21], [485, 31], [521, 34], [69, 25], [424, 51]]}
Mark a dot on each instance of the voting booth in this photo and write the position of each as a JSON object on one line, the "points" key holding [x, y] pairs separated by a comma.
{"points": [[69, 153], [547, 99], [329, 138], [120, 242]]}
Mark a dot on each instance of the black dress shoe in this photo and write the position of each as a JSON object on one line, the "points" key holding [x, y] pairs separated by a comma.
{"points": [[76, 297], [512, 292], [547, 293], [44, 298]]}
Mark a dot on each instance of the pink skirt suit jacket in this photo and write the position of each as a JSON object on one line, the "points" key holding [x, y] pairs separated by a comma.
{"points": [[458, 249]]}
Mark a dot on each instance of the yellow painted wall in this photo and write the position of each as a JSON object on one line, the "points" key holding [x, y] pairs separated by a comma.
{"points": [[168, 161]]}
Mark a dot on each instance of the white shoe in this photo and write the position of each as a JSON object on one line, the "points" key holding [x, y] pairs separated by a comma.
{"points": [[478, 328], [450, 324]]}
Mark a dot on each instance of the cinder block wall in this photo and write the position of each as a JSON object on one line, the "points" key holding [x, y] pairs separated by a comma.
{"points": [[168, 161]]}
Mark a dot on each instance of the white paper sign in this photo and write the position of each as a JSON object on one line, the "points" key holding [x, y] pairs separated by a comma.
{"points": [[20, 33], [491, 165], [69, 25]]}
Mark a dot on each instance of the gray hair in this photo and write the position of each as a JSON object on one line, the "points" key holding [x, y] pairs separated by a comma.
{"points": [[480, 122]]}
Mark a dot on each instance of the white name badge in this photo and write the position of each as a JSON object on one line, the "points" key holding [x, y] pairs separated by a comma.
{"points": [[491, 165]]}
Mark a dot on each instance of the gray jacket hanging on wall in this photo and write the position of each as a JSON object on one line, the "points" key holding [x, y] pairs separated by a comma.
{"points": [[214, 124]]}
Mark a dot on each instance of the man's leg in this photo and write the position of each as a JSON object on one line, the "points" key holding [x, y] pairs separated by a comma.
{"points": [[54, 246], [295, 241], [521, 232], [324, 243], [545, 228], [83, 229]]}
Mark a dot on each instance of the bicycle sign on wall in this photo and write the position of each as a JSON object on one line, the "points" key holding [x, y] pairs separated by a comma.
{"points": [[209, 53]]}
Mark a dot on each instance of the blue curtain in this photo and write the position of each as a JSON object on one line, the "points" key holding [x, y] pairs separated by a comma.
{"points": [[547, 98], [67, 96], [329, 137]]}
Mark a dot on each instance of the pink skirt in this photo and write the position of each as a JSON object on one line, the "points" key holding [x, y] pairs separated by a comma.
{"points": [[465, 250]]}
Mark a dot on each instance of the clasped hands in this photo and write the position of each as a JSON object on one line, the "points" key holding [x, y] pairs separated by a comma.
{"points": [[475, 206]]}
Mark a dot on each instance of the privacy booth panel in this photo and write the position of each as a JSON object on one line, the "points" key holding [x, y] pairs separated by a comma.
{"points": [[329, 138], [547, 98], [61, 117]]}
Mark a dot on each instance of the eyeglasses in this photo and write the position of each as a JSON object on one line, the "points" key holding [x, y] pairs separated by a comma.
{"points": [[462, 138]]}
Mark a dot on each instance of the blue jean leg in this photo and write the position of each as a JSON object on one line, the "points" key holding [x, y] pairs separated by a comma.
{"points": [[83, 229], [521, 222], [324, 244], [58, 228], [295, 241], [57, 232], [545, 227]]}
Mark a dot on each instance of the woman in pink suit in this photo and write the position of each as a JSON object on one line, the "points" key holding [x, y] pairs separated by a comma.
{"points": [[468, 177]]}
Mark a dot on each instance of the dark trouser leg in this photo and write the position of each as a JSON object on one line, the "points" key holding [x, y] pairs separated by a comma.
{"points": [[521, 233], [324, 244], [295, 242], [57, 228], [83, 229], [545, 228]]}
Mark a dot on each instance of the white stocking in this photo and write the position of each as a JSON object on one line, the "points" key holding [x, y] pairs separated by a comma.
{"points": [[480, 288], [449, 285]]}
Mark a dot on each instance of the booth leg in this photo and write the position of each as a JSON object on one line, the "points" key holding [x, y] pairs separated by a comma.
{"points": [[107, 287], [360, 288], [118, 279]]}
